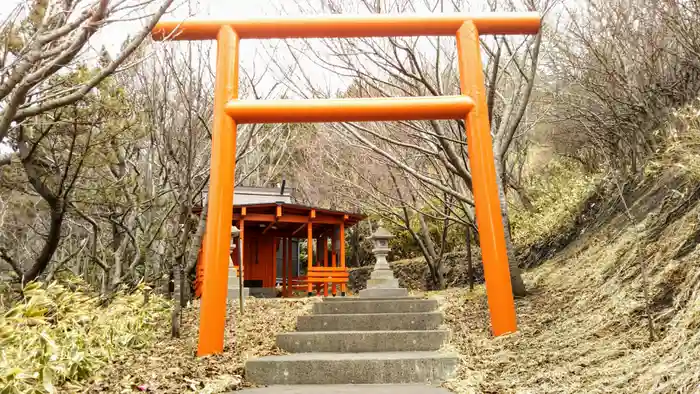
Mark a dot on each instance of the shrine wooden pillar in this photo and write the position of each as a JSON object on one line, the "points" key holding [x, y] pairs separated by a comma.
{"points": [[309, 257], [325, 261], [334, 259], [241, 236], [343, 286], [319, 263], [275, 245], [290, 269], [285, 240]]}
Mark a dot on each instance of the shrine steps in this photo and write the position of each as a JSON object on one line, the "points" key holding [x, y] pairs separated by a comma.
{"points": [[370, 321], [349, 389], [343, 368], [361, 341], [375, 306]]}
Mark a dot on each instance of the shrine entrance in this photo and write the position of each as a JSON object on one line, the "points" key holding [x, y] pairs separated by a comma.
{"points": [[470, 106]]}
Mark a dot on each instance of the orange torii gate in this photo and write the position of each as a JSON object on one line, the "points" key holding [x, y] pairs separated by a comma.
{"points": [[229, 111]]}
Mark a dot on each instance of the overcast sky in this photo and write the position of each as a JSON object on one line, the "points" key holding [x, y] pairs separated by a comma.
{"points": [[253, 53], [114, 35]]}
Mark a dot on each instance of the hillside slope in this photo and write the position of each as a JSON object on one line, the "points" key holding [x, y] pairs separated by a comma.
{"points": [[616, 311]]}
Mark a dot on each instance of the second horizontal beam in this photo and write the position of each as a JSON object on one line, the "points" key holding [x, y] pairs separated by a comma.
{"points": [[349, 110]]}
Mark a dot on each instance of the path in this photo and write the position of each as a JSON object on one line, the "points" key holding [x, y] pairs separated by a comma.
{"points": [[350, 389], [360, 345]]}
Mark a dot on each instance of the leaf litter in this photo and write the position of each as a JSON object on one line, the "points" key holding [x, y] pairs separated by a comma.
{"points": [[170, 365], [585, 326]]}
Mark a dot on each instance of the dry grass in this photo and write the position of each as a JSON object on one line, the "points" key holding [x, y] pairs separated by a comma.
{"points": [[683, 129], [170, 365], [556, 193], [584, 328], [60, 333], [58, 338]]}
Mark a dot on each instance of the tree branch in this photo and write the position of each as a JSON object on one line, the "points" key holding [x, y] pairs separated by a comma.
{"points": [[15, 266], [104, 73]]}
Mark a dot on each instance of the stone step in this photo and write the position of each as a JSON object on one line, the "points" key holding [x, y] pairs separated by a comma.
{"points": [[375, 306], [361, 341], [383, 292], [354, 298], [352, 368], [370, 322], [349, 389]]}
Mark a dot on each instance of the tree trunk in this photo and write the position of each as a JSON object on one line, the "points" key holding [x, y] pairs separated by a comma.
{"points": [[175, 272], [197, 240], [470, 265], [184, 287], [439, 275], [177, 305], [523, 197], [118, 265], [180, 262], [516, 278], [356, 246], [433, 260], [52, 240], [104, 287], [175, 320]]}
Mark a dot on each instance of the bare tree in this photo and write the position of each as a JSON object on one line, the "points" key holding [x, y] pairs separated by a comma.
{"points": [[40, 41], [617, 68], [342, 174], [426, 66], [48, 39]]}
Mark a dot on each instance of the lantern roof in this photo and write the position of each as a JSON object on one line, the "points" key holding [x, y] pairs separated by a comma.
{"points": [[382, 233]]}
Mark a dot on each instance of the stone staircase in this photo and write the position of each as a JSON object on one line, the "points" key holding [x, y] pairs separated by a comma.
{"points": [[361, 341]]}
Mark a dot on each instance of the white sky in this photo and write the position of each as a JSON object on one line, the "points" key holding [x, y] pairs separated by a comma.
{"points": [[252, 52]]}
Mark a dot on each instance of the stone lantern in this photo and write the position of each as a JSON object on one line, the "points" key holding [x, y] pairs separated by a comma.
{"points": [[235, 290], [235, 232], [382, 282]]}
